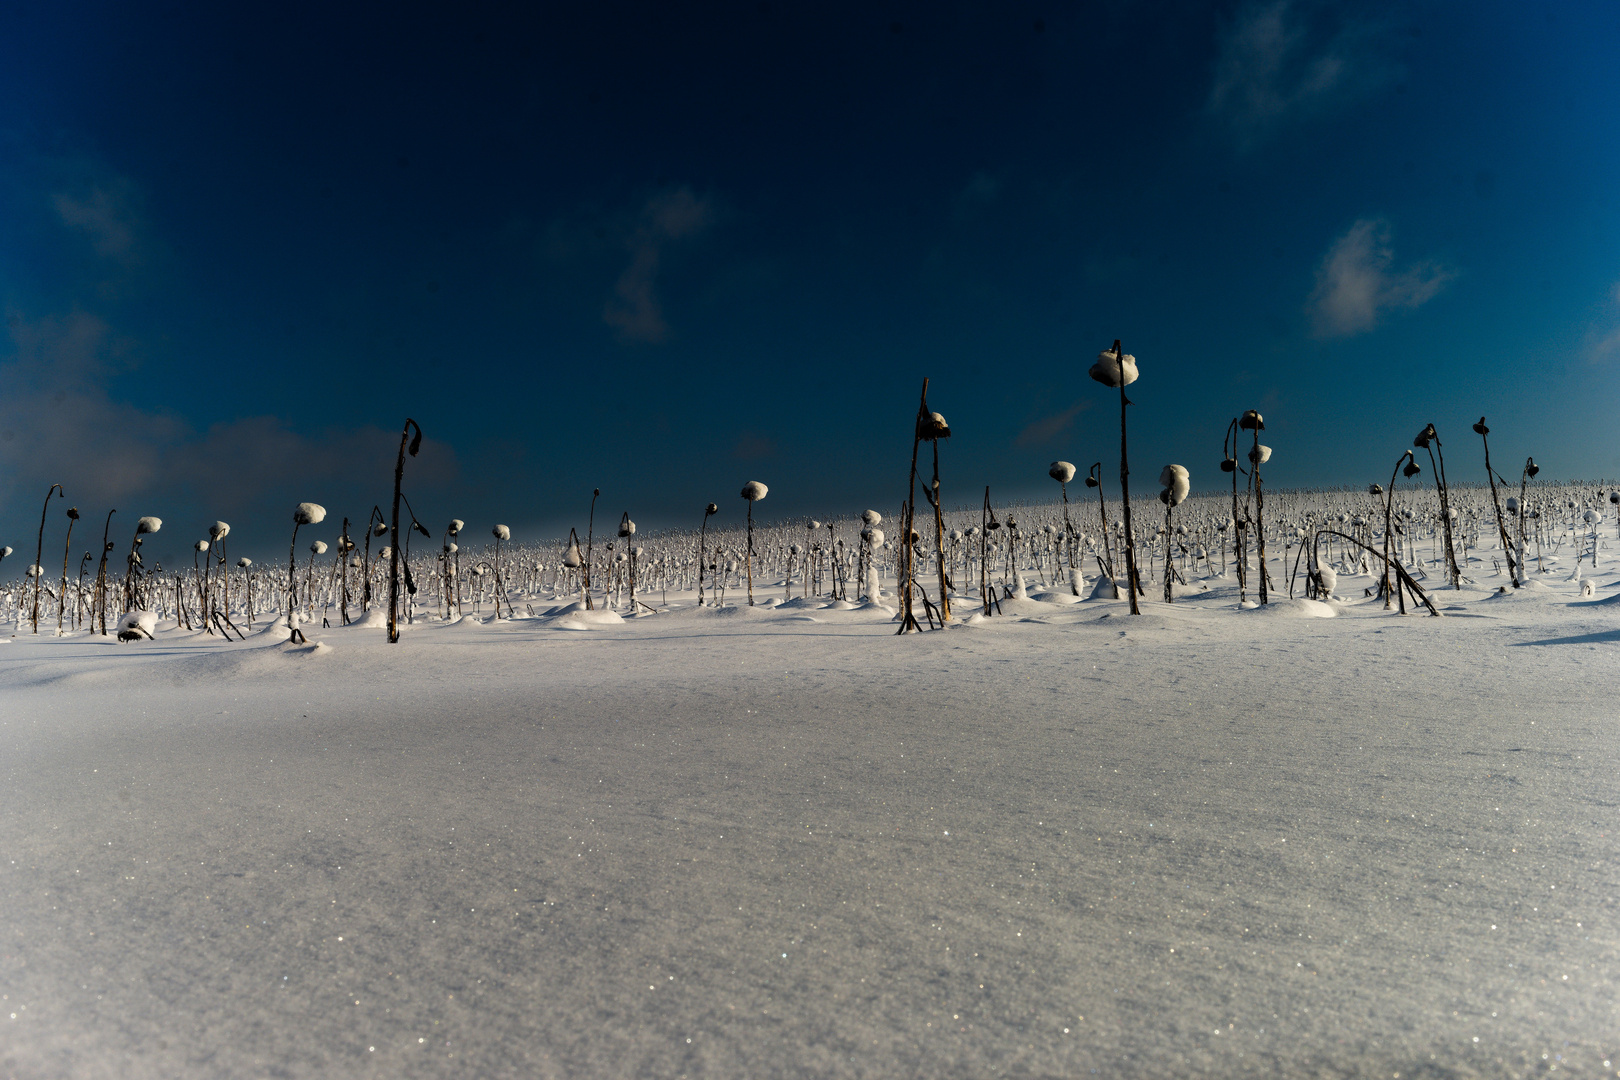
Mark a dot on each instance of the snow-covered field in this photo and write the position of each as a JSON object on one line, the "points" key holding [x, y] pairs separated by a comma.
{"points": [[782, 841]]}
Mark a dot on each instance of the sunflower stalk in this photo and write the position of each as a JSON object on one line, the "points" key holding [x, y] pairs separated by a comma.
{"points": [[414, 445], [39, 572]]}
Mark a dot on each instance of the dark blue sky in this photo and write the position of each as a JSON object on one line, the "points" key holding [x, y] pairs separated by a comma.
{"points": [[663, 249]]}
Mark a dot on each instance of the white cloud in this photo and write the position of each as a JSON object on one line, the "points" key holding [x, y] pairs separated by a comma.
{"points": [[1357, 283], [1285, 60], [634, 308], [59, 424], [981, 190], [1603, 336], [107, 211]]}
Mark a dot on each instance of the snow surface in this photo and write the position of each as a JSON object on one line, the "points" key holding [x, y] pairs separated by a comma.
{"points": [[1060, 841]]}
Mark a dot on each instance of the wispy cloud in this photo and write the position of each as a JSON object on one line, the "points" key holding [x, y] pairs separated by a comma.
{"points": [[104, 213], [634, 309], [981, 190], [1046, 429], [1285, 60], [59, 423], [752, 446], [1603, 337], [1357, 282]]}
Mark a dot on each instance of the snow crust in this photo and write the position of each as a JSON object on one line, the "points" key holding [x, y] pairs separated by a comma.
{"points": [[782, 841]]}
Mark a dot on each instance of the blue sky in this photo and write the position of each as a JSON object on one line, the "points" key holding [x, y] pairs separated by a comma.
{"points": [[665, 249]]}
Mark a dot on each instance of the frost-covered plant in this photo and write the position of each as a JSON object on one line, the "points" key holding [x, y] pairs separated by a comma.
{"points": [[987, 525], [407, 444], [1501, 527], [627, 531], [1177, 485], [376, 526], [1529, 473], [929, 427], [146, 526], [1063, 472], [574, 559], [1115, 368], [812, 559], [708, 512], [1324, 580], [1102, 551], [198, 551], [1404, 466], [98, 613], [316, 548], [416, 527], [39, 577], [590, 549], [306, 513], [72, 516], [339, 586], [752, 492], [137, 626], [1428, 439], [501, 533], [870, 519], [452, 575], [1229, 464], [217, 532], [80, 605], [1258, 455], [245, 564]]}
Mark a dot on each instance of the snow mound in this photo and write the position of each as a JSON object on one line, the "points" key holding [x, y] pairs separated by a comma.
{"points": [[1507, 594], [736, 611], [1293, 609], [1025, 605], [1050, 596], [137, 626], [1104, 589], [581, 619], [315, 648]]}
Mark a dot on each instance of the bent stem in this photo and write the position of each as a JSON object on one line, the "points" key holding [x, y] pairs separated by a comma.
{"points": [[39, 569], [748, 556], [101, 572], [703, 529], [295, 635], [1239, 555], [1125, 489], [1259, 519], [590, 544], [1105, 557], [1438, 465], [1169, 566], [1389, 513], [1400, 571], [1501, 527], [393, 564], [61, 603]]}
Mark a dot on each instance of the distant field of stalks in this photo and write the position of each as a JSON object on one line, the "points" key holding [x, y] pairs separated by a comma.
{"points": [[1555, 531]]}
